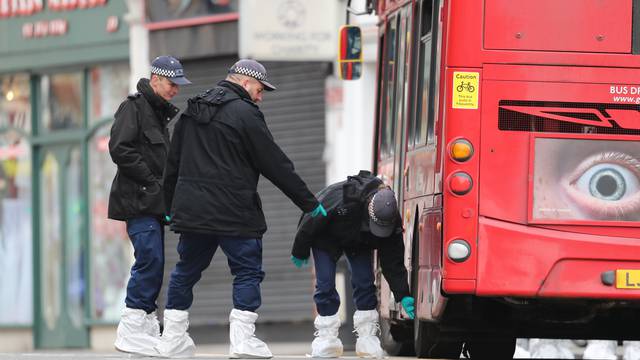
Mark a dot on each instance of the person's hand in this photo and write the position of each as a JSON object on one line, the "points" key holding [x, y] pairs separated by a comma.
{"points": [[167, 218], [299, 263], [408, 305], [319, 210]]}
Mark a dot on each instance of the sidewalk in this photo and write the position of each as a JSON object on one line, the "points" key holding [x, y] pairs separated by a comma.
{"points": [[281, 350]]}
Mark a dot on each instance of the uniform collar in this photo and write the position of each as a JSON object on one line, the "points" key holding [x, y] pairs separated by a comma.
{"points": [[162, 107], [235, 88]]}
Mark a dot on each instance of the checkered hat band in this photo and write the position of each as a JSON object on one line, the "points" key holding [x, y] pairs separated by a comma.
{"points": [[372, 215], [163, 72], [249, 72]]}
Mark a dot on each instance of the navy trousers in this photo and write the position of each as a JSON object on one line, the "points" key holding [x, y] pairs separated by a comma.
{"points": [[362, 282], [147, 236], [244, 256]]}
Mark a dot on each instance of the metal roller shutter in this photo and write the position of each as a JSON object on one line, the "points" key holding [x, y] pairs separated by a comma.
{"points": [[295, 113]]}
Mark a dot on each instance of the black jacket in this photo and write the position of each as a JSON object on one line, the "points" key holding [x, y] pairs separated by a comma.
{"points": [[345, 229], [220, 146], [138, 146]]}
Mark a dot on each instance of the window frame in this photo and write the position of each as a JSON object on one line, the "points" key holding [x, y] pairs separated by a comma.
{"points": [[388, 93], [422, 130]]}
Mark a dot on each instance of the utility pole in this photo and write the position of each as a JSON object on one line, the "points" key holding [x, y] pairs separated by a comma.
{"points": [[138, 43]]}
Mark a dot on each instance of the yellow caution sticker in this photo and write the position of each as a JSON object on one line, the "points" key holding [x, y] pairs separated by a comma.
{"points": [[466, 86]]}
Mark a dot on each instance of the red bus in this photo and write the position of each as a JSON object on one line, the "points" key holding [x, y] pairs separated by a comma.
{"points": [[509, 130]]}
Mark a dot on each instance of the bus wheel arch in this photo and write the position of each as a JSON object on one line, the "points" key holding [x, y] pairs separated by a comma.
{"points": [[427, 339]]}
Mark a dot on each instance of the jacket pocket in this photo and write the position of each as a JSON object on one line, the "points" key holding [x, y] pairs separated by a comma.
{"points": [[154, 137], [123, 200], [150, 199], [154, 150]]}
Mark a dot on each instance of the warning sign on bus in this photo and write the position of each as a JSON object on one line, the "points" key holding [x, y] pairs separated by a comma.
{"points": [[465, 90]]}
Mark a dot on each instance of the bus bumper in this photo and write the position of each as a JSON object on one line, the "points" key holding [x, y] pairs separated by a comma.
{"points": [[522, 261]]}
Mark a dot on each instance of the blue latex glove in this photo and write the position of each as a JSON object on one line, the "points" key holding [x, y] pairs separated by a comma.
{"points": [[408, 305], [299, 263], [167, 218], [319, 210]]}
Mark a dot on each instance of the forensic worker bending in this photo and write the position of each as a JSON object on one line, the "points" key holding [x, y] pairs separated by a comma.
{"points": [[362, 216]]}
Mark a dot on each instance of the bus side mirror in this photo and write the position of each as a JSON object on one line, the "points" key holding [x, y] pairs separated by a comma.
{"points": [[350, 52]]}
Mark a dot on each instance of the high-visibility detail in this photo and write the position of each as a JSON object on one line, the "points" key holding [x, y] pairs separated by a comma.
{"points": [[465, 89]]}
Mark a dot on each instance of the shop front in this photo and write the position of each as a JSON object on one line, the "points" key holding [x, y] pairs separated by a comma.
{"points": [[63, 265]]}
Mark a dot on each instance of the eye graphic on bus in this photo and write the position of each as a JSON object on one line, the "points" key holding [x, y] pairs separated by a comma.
{"points": [[589, 180], [606, 185]]}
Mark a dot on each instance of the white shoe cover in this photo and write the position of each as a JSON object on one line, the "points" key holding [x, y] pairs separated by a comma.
{"points": [[564, 349], [132, 335], [549, 349], [175, 341], [152, 325], [631, 350], [244, 343], [601, 349], [367, 328], [523, 343], [326, 344], [522, 349], [521, 353]]}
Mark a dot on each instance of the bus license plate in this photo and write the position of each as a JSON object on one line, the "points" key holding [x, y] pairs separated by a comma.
{"points": [[628, 279]]}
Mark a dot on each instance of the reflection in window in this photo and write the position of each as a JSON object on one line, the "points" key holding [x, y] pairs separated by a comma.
{"points": [[50, 212], [436, 34], [424, 118], [109, 87], [403, 71], [387, 120], [75, 254], [175, 10], [111, 255], [61, 101], [16, 260], [15, 106]]}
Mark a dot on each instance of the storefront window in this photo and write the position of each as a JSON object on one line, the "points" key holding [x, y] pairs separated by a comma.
{"points": [[172, 10], [15, 229], [111, 253], [16, 261], [51, 242], [75, 250], [61, 101], [109, 87], [15, 102]]}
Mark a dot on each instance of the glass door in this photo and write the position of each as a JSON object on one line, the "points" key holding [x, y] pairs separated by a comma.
{"points": [[61, 285]]}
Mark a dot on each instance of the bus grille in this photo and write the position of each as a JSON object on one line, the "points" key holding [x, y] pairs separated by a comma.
{"points": [[569, 117]]}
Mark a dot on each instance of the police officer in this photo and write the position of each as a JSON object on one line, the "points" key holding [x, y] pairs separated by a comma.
{"points": [[220, 147], [138, 146], [362, 216]]}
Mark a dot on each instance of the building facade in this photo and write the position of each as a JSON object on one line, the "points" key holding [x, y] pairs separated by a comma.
{"points": [[66, 66], [63, 72]]}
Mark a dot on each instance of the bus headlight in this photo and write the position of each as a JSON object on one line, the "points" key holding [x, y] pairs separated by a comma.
{"points": [[458, 250]]}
